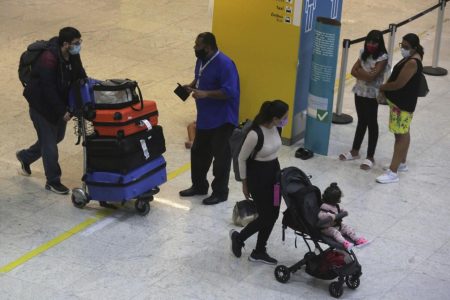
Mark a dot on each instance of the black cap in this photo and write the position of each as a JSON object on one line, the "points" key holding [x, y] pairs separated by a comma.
{"points": [[332, 194]]}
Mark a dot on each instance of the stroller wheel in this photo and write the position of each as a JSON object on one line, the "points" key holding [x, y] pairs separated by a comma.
{"points": [[79, 198], [142, 206], [336, 290], [352, 282], [282, 274]]}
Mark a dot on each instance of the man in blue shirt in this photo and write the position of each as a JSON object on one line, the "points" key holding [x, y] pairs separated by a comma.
{"points": [[216, 92]]}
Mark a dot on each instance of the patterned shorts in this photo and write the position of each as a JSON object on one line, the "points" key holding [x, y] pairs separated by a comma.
{"points": [[399, 120]]}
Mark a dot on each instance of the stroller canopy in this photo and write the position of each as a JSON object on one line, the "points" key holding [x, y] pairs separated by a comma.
{"points": [[302, 199]]}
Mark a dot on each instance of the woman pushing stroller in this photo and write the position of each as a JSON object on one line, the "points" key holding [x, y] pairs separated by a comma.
{"points": [[259, 171]]}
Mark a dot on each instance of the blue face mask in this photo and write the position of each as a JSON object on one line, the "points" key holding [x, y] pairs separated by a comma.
{"points": [[75, 49]]}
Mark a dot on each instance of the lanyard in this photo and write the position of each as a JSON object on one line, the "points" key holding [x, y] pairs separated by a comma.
{"points": [[202, 67]]}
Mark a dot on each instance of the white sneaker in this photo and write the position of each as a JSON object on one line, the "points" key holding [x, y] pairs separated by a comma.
{"points": [[388, 177], [403, 167]]}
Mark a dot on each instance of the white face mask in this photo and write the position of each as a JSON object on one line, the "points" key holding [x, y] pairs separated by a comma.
{"points": [[405, 53]]}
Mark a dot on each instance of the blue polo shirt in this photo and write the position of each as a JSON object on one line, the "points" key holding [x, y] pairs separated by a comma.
{"points": [[221, 73]]}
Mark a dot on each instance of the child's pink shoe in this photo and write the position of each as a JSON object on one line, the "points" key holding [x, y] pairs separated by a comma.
{"points": [[361, 242], [347, 245]]}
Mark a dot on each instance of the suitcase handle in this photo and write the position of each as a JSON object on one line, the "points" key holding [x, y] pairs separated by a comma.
{"points": [[145, 123], [117, 85]]}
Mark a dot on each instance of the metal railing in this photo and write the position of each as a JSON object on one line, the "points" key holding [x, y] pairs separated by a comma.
{"points": [[339, 117]]}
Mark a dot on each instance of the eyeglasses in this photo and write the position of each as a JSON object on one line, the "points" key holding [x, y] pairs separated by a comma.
{"points": [[77, 43]]}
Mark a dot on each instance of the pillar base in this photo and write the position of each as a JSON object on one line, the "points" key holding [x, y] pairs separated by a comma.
{"points": [[438, 71], [342, 119]]}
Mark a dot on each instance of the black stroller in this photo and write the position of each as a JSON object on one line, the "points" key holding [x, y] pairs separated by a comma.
{"points": [[303, 202]]}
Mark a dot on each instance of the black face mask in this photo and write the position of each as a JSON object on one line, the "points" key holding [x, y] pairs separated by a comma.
{"points": [[201, 54]]}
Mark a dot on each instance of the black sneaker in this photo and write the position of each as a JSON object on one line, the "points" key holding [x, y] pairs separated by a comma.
{"points": [[236, 243], [57, 187], [25, 168], [262, 257]]}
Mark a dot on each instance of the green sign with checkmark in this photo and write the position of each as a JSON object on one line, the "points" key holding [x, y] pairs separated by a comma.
{"points": [[322, 115]]}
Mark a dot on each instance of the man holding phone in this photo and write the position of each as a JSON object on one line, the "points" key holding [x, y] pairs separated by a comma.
{"points": [[216, 92]]}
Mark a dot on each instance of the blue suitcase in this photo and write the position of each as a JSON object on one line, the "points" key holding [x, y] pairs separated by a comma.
{"points": [[107, 186]]}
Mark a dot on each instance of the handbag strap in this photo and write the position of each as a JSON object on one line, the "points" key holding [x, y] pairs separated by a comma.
{"points": [[115, 85], [141, 100]]}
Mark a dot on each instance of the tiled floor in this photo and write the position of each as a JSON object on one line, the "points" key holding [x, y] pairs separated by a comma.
{"points": [[181, 249]]}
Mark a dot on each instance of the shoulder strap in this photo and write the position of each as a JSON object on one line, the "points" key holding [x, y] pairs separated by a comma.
{"points": [[259, 143], [419, 64]]}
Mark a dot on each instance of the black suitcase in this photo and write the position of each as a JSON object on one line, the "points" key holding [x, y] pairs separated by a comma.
{"points": [[122, 155]]}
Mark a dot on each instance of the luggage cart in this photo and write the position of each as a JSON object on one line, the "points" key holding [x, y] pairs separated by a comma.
{"points": [[80, 195]]}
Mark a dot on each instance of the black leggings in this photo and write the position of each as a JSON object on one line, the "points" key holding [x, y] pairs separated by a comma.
{"points": [[261, 177], [367, 111]]}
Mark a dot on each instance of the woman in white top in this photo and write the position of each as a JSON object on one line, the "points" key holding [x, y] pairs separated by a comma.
{"points": [[258, 171], [369, 71]]}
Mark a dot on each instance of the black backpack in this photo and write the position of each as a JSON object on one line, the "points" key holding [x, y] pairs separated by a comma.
{"points": [[28, 58]]}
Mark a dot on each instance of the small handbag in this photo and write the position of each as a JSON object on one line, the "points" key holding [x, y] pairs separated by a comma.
{"points": [[244, 212]]}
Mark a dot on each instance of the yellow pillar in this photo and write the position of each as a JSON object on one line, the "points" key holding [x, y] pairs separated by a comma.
{"points": [[262, 37]]}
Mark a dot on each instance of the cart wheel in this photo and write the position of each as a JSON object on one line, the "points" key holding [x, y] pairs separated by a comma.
{"points": [[79, 198], [352, 282], [155, 190], [282, 274], [336, 290], [148, 197], [142, 206]]}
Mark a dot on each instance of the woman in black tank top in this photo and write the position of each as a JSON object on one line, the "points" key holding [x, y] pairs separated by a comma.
{"points": [[401, 90]]}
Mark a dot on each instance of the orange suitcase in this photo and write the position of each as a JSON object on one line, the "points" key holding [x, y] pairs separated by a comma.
{"points": [[125, 121]]}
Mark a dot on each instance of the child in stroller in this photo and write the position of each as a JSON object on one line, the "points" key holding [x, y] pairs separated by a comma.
{"points": [[330, 219], [303, 201]]}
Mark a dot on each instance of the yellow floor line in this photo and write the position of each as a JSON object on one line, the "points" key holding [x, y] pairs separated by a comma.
{"points": [[59, 239], [179, 171], [74, 230]]}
